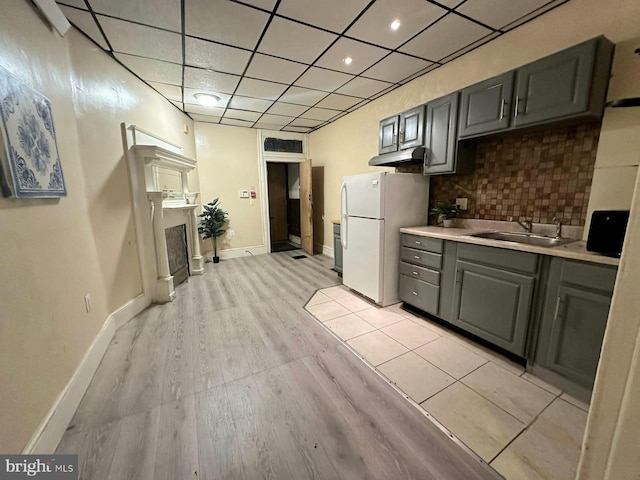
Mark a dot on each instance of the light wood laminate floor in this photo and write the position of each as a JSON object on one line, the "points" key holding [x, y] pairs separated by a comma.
{"points": [[235, 380]]}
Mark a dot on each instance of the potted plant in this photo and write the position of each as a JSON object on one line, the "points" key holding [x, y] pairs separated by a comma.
{"points": [[446, 211], [212, 223]]}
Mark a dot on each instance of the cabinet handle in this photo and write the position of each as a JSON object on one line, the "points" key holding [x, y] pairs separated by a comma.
{"points": [[518, 100], [556, 315], [415, 293], [504, 101], [416, 257], [458, 277], [415, 273], [418, 243]]}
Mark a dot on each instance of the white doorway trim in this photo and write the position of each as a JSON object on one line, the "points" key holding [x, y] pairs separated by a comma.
{"points": [[263, 158]]}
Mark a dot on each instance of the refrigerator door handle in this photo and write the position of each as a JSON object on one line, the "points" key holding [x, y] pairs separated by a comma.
{"points": [[343, 231], [343, 215]]}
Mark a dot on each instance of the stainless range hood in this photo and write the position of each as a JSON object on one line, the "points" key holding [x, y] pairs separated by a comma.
{"points": [[415, 155]]}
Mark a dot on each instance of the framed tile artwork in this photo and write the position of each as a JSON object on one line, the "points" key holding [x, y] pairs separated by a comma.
{"points": [[30, 162]]}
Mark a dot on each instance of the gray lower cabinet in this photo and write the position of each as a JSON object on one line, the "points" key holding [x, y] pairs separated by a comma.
{"points": [[574, 319], [337, 249], [493, 304], [420, 263]]}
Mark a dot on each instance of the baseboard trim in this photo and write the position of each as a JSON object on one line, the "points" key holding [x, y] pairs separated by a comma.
{"points": [[241, 252], [328, 251], [47, 436]]}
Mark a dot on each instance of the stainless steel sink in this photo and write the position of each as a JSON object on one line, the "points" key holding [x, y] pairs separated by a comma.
{"points": [[525, 238]]}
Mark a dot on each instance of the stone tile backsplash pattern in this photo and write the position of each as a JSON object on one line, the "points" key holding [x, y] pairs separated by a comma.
{"points": [[537, 175]]}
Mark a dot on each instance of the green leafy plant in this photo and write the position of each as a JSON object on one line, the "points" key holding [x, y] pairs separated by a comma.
{"points": [[212, 224], [446, 209]]}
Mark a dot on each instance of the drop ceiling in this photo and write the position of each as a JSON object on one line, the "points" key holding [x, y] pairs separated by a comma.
{"points": [[279, 64]]}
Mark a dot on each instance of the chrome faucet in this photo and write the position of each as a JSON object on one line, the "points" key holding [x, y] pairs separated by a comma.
{"points": [[558, 223], [526, 224]]}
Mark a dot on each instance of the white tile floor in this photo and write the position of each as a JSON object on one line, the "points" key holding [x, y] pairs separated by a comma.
{"points": [[525, 428]]}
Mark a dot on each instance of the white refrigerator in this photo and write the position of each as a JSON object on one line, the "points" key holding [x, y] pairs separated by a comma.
{"points": [[374, 206]]}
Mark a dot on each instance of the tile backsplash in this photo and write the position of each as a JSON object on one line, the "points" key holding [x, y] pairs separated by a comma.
{"points": [[537, 175]]}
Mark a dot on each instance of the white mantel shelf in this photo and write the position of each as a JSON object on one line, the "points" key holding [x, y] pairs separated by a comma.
{"points": [[154, 155], [182, 206]]}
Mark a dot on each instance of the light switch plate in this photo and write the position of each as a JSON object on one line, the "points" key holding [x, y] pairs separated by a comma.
{"points": [[463, 203]]}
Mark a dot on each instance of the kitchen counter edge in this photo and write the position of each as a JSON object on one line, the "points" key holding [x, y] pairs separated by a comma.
{"points": [[575, 250]]}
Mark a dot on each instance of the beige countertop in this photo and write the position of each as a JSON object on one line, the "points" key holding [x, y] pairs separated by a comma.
{"points": [[335, 222], [575, 250]]}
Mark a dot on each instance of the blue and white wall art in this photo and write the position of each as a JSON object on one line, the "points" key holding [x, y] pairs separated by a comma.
{"points": [[29, 142]]}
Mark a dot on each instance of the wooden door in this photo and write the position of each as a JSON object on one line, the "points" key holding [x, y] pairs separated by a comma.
{"points": [[306, 207], [277, 185], [485, 107]]}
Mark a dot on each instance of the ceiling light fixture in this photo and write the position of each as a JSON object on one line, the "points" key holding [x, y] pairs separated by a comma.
{"points": [[395, 25], [207, 99], [347, 60]]}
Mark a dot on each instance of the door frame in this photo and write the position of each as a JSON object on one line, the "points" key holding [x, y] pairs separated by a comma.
{"points": [[275, 157]]}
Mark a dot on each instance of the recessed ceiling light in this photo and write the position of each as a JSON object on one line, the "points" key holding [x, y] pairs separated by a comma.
{"points": [[347, 60], [207, 99], [395, 24]]}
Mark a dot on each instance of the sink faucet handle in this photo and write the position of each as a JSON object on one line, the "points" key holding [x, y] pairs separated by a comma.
{"points": [[558, 222]]}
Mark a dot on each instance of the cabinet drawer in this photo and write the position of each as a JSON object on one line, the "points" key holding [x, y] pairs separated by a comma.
{"points": [[422, 295], [422, 243], [419, 257], [590, 275], [420, 273], [499, 257]]}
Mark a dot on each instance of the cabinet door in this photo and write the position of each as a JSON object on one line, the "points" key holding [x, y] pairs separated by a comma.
{"points": [[440, 136], [485, 106], [556, 86], [412, 128], [493, 304], [388, 135], [575, 331]]}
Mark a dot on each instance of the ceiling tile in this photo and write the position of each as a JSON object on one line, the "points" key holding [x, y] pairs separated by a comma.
{"points": [[297, 129], [267, 126], [450, 3], [281, 108], [414, 15], [303, 96], [303, 122], [319, 114], [159, 13], [210, 80], [264, 4], [180, 105], [420, 73], [242, 115], [363, 87], [152, 70], [275, 69], [172, 92], [204, 118], [445, 37], [498, 13], [549, 6], [201, 53], [73, 3], [189, 96], [468, 48], [246, 103], [84, 21], [338, 102], [202, 110], [363, 56], [294, 41], [126, 37], [224, 21], [321, 79], [395, 67], [275, 119], [237, 123], [334, 15], [384, 92], [250, 87]]}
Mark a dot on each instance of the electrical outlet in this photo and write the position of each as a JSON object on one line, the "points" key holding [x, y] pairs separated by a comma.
{"points": [[232, 233], [87, 302], [463, 203]]}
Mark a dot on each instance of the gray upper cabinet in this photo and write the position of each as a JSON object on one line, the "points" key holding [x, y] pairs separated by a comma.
{"points": [[440, 135], [388, 135], [493, 304], [485, 107], [411, 128], [556, 86], [574, 319]]}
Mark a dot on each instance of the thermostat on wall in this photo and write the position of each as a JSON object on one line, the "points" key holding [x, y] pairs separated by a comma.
{"points": [[244, 193]]}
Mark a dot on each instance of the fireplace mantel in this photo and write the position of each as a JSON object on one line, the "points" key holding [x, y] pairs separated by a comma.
{"points": [[154, 155]]}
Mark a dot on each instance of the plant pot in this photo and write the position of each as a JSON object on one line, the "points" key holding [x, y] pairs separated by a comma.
{"points": [[216, 259], [447, 222]]}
